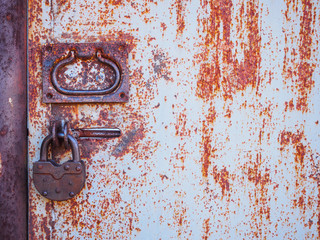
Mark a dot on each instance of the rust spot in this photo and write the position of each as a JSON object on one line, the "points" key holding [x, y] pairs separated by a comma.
{"points": [[162, 176], [230, 75]]}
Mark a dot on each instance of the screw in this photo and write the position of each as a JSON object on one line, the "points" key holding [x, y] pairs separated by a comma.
{"points": [[40, 166], [78, 168], [71, 194], [58, 190], [66, 167], [45, 193]]}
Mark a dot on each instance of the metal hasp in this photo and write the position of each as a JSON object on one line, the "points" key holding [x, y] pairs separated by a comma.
{"points": [[59, 182], [85, 72]]}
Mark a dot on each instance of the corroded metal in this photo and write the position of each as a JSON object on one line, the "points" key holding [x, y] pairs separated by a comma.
{"points": [[220, 138], [13, 120], [85, 73]]}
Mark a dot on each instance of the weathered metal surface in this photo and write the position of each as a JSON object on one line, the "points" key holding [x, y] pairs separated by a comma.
{"points": [[85, 72], [13, 120], [220, 138], [59, 182]]}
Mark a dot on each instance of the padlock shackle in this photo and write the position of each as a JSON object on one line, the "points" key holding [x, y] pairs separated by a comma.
{"points": [[48, 139]]}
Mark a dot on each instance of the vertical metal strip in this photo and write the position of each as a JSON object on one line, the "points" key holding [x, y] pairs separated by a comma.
{"points": [[13, 116]]}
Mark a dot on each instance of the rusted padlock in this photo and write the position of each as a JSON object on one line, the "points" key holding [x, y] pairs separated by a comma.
{"points": [[59, 181]]}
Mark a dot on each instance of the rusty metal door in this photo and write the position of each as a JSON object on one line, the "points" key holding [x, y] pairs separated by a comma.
{"points": [[220, 132]]}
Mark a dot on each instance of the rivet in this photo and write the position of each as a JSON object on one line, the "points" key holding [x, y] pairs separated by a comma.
{"points": [[70, 183], [40, 166], [71, 194], [45, 193], [45, 179], [66, 167], [78, 168], [58, 190]]}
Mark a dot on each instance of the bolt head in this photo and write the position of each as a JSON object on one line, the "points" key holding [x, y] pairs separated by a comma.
{"points": [[71, 194], [45, 193], [78, 168]]}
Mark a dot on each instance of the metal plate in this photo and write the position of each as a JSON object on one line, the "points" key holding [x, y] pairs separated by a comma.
{"points": [[85, 72]]}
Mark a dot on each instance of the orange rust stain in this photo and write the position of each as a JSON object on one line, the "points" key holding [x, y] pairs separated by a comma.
{"points": [[222, 177], [286, 138], [256, 176], [289, 105], [300, 153], [116, 2], [301, 202], [230, 75], [181, 125], [298, 65], [295, 139], [318, 207], [180, 7], [305, 69], [208, 152], [260, 177], [206, 228]]}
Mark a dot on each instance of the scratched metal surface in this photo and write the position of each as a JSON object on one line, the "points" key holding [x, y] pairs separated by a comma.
{"points": [[221, 132]]}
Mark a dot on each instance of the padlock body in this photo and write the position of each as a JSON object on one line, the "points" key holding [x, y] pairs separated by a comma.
{"points": [[59, 182]]}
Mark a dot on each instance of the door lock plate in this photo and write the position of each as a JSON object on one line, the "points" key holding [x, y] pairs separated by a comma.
{"points": [[85, 72]]}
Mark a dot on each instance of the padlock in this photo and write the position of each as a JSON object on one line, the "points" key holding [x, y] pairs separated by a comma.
{"points": [[59, 182]]}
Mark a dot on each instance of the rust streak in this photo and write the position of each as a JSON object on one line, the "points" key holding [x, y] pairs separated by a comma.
{"points": [[305, 69], [221, 177], [230, 75], [180, 16]]}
